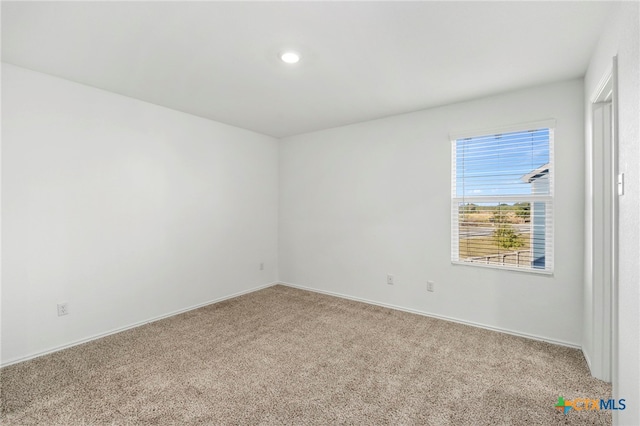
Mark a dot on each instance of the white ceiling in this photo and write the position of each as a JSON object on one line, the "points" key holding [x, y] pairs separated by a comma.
{"points": [[360, 60]]}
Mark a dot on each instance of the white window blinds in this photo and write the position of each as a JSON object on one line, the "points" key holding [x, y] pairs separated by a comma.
{"points": [[502, 199]]}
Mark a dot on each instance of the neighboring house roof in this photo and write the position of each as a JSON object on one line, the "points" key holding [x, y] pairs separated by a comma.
{"points": [[536, 174]]}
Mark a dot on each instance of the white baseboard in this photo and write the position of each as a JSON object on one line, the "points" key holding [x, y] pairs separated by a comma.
{"points": [[442, 317], [330, 293], [130, 326]]}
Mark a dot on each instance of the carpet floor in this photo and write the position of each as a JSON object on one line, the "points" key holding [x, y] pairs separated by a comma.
{"points": [[288, 356]]}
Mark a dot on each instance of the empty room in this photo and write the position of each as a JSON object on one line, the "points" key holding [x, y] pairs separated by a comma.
{"points": [[407, 213]]}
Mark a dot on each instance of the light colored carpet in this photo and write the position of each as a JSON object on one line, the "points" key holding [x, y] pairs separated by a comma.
{"points": [[287, 356]]}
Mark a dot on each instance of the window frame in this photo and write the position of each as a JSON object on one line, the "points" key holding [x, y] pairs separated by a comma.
{"points": [[549, 199]]}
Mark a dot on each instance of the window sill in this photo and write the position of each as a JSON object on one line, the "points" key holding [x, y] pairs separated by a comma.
{"points": [[503, 268]]}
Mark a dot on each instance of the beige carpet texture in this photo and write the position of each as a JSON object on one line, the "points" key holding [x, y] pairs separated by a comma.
{"points": [[288, 356]]}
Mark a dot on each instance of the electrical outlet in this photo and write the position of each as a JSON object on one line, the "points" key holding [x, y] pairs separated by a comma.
{"points": [[262, 266], [389, 279], [63, 309], [431, 286]]}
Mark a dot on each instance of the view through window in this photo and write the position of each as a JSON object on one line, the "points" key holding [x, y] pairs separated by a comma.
{"points": [[502, 204]]}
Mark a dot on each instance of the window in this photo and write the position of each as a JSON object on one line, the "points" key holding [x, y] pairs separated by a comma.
{"points": [[502, 198]]}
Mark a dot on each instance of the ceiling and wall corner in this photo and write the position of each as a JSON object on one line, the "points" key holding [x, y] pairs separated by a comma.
{"points": [[360, 60]]}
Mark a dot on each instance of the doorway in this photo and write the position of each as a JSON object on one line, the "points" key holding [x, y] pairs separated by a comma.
{"points": [[602, 259]]}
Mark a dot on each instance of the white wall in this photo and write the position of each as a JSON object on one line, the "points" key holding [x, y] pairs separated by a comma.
{"points": [[125, 210], [361, 201], [621, 38]]}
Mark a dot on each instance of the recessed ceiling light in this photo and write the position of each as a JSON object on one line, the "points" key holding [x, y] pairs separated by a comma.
{"points": [[290, 57]]}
